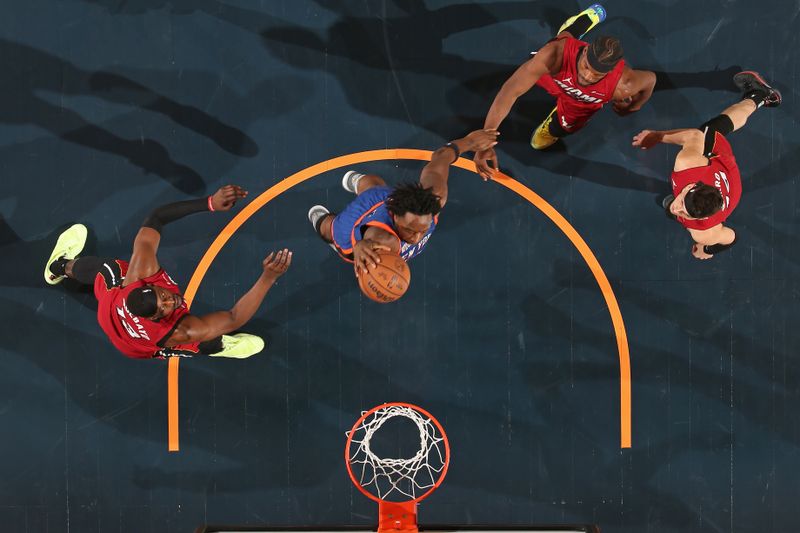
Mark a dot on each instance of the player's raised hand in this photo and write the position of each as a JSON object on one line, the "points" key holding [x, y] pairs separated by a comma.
{"points": [[365, 254], [486, 163], [481, 139], [276, 264], [226, 197], [647, 139]]}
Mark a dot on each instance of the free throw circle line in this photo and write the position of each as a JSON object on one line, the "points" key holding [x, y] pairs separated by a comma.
{"points": [[422, 155]]}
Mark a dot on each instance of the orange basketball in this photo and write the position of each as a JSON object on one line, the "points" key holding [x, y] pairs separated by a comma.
{"points": [[388, 281]]}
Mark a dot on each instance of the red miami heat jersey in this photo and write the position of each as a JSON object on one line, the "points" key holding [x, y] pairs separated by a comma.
{"points": [[135, 336], [721, 172], [565, 81]]}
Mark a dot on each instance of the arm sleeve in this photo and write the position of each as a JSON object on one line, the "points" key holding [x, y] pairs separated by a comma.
{"points": [[163, 215]]}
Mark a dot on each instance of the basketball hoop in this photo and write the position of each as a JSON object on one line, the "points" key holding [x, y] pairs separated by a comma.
{"points": [[397, 484]]}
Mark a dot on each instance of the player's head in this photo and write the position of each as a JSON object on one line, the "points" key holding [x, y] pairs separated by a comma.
{"points": [[702, 201], [697, 201], [413, 207], [598, 58], [152, 302]]}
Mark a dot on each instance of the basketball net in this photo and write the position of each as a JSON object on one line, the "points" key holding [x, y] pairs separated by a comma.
{"points": [[397, 484]]}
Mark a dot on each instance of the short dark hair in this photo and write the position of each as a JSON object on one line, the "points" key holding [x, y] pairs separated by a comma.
{"points": [[413, 198], [605, 53], [142, 301], [702, 201]]}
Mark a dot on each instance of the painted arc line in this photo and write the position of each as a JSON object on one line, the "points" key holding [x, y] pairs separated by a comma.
{"points": [[422, 155]]}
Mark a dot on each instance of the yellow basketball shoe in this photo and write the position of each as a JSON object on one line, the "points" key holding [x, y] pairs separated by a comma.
{"points": [[542, 138], [239, 346], [68, 246], [596, 14]]}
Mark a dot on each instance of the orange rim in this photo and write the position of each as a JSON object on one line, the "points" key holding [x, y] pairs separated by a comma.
{"points": [[363, 417]]}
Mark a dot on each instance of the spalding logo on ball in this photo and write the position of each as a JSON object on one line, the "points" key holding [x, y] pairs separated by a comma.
{"points": [[388, 281]]}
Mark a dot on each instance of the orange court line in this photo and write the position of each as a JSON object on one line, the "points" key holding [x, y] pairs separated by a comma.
{"points": [[421, 155]]}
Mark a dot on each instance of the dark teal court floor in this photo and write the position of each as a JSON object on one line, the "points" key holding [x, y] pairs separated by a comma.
{"points": [[112, 107]]}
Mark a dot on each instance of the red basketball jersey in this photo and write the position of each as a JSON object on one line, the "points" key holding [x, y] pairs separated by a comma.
{"points": [[721, 172], [565, 82], [133, 335]]}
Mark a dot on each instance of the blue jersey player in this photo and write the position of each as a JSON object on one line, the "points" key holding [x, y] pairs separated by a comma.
{"points": [[397, 219]]}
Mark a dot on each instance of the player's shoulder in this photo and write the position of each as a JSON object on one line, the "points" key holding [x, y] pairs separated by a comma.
{"points": [[635, 79], [552, 52], [159, 279]]}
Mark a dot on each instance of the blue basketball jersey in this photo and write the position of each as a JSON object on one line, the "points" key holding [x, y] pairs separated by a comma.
{"points": [[369, 209]]}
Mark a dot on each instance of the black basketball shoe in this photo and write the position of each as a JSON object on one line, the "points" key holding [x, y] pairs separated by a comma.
{"points": [[752, 84]]}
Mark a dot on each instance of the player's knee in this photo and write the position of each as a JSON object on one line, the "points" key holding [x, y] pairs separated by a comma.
{"points": [[369, 181], [556, 128]]}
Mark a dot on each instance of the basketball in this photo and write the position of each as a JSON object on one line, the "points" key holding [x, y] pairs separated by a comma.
{"points": [[388, 281]]}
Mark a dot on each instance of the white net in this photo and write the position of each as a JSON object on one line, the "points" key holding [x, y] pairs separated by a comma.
{"points": [[397, 479]]}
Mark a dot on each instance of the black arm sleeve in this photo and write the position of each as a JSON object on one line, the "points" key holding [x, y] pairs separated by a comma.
{"points": [[163, 215]]}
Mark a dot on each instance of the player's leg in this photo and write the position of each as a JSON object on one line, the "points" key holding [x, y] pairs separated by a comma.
{"points": [[321, 218], [578, 25], [85, 269], [542, 136], [757, 93], [235, 346], [357, 183], [566, 119]]}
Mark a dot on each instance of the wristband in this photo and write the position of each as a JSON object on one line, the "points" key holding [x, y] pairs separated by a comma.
{"points": [[455, 149], [210, 205]]}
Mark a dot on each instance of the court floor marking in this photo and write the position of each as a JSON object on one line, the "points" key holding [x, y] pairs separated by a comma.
{"points": [[422, 155]]}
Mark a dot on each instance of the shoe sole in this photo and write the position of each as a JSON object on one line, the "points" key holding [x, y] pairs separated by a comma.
{"points": [[327, 212], [62, 250], [333, 246], [596, 9], [346, 180], [759, 79], [256, 345]]}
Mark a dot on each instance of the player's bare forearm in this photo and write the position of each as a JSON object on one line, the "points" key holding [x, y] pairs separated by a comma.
{"points": [[683, 137], [691, 139], [523, 79], [501, 107], [435, 173], [212, 325], [383, 238]]}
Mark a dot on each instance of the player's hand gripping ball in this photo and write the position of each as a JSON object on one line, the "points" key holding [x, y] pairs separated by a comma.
{"points": [[387, 281]]}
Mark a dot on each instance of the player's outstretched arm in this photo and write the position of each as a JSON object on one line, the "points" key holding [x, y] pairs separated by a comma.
{"points": [[545, 61], [435, 173], [691, 141], [204, 328], [712, 241], [143, 261]]}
